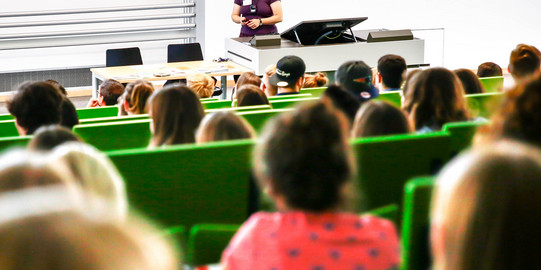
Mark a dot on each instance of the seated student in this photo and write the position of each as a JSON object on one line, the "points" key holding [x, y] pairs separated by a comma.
{"points": [[470, 82], [315, 80], [48, 137], [524, 62], [485, 210], [436, 98], [176, 113], [356, 77], [519, 118], [289, 75], [250, 95], [94, 173], [134, 99], [343, 100], [391, 72], [223, 126], [67, 239], [202, 84], [410, 81], [108, 95], [69, 113], [269, 89], [304, 163], [246, 78], [379, 118], [35, 104], [489, 69]]}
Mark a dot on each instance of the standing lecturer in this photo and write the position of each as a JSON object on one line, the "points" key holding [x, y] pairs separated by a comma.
{"points": [[258, 17]]}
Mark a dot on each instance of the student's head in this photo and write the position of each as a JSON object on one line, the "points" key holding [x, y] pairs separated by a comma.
{"points": [[356, 77], [72, 240], [436, 98], [303, 160], [289, 74], [202, 84], [223, 126], [69, 114], [250, 95], [21, 169], [519, 118], [270, 90], [48, 137], [35, 104], [136, 96], [485, 210], [176, 113], [59, 86], [391, 71], [524, 61], [315, 80], [470, 82], [247, 78], [489, 69], [110, 90], [343, 100], [94, 173], [379, 118]]}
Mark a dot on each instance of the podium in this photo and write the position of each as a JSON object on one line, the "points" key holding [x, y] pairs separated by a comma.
{"points": [[324, 56]]}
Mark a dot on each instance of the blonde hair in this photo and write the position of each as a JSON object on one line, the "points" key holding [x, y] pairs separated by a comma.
{"points": [[224, 125], [270, 90], [136, 95], [202, 84], [95, 174], [485, 209], [72, 240], [315, 80]]}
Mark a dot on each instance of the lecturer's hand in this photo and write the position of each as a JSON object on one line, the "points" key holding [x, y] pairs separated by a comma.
{"points": [[243, 20], [253, 23]]}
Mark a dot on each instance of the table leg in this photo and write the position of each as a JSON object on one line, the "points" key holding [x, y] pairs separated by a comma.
{"points": [[224, 87]]}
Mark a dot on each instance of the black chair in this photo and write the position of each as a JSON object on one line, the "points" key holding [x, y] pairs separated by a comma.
{"points": [[186, 52], [123, 57]]}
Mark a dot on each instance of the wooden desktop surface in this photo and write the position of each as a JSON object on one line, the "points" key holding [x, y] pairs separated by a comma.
{"points": [[178, 70]]}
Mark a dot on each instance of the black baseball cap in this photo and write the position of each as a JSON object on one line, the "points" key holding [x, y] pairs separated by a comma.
{"points": [[356, 77], [288, 70]]}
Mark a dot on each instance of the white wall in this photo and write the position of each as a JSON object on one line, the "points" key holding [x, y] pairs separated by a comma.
{"points": [[475, 30]]}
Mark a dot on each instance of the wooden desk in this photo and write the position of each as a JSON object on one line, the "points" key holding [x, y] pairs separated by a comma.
{"points": [[178, 70]]}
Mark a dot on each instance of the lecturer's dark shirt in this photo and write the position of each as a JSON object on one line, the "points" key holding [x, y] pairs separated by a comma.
{"points": [[263, 11]]}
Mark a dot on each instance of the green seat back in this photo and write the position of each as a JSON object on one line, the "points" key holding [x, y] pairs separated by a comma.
{"points": [[207, 243], [492, 84], [385, 164], [392, 97], [98, 112], [316, 91], [461, 134], [188, 184], [6, 117], [8, 142], [216, 104], [290, 103], [8, 128], [257, 119], [300, 95], [113, 119], [390, 212], [116, 135], [241, 109], [208, 99], [482, 105], [416, 224]]}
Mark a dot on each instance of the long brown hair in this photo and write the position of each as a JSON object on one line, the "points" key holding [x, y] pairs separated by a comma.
{"points": [[436, 98], [176, 113], [377, 118], [136, 95], [486, 206]]}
